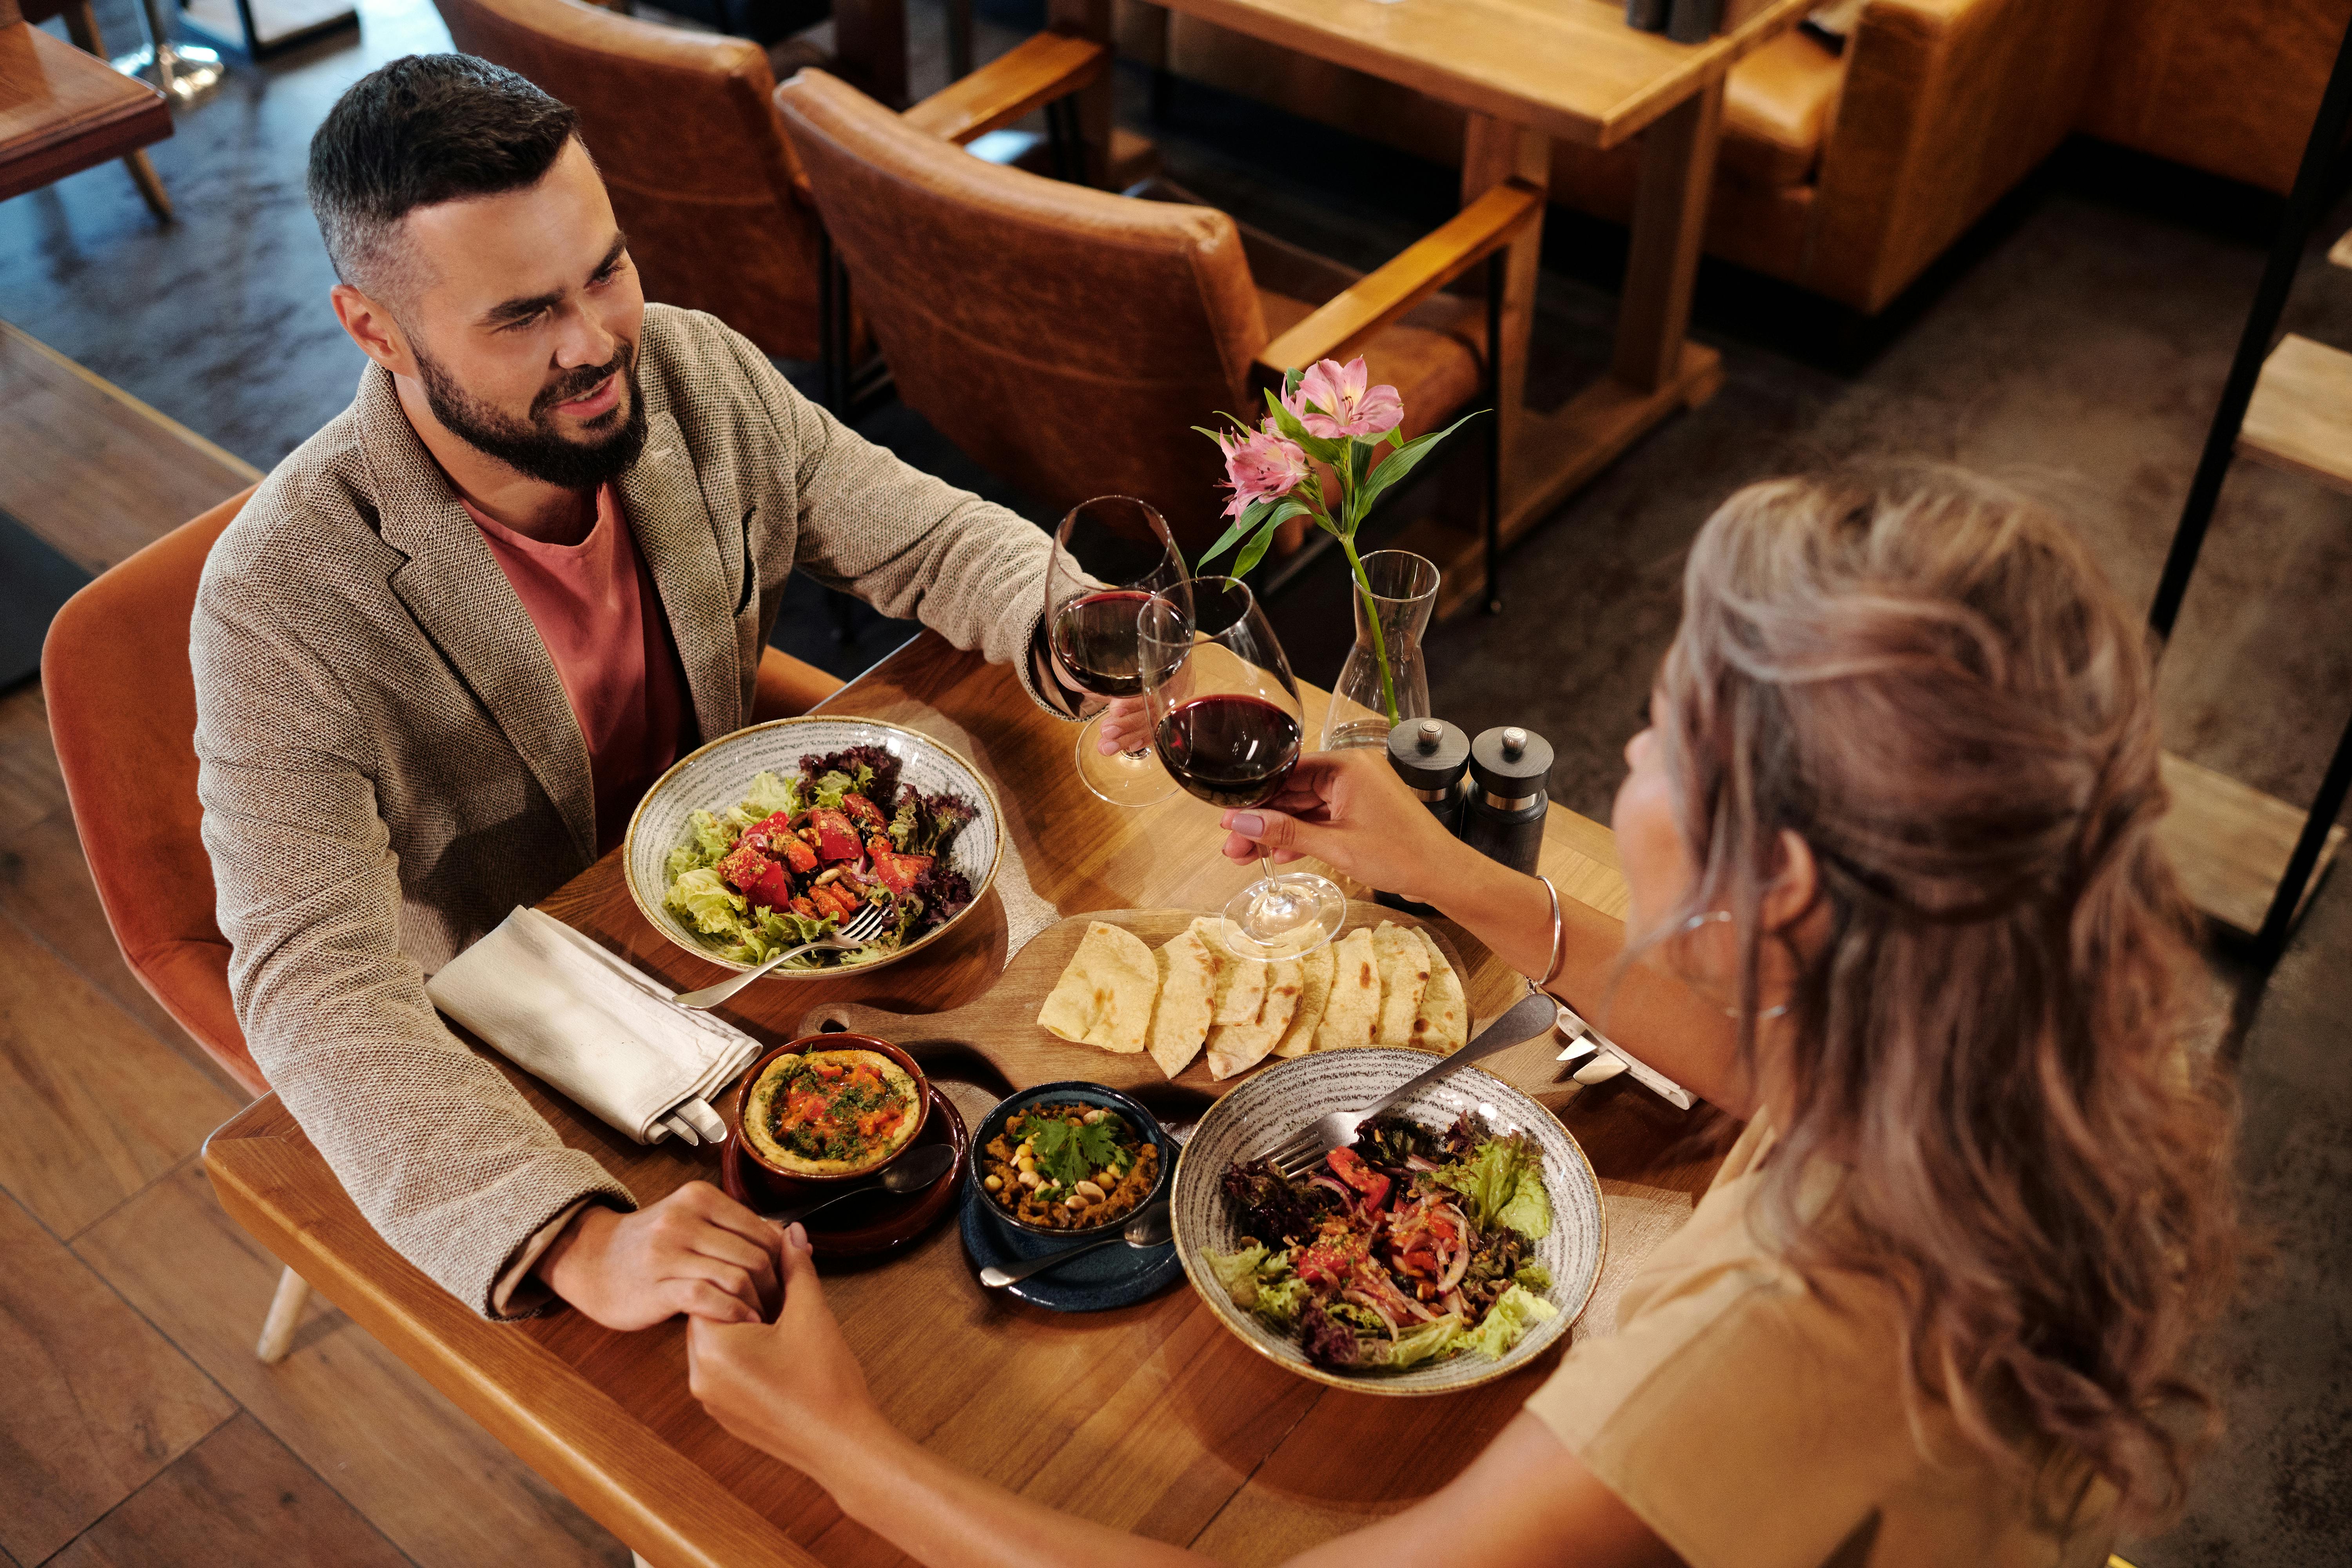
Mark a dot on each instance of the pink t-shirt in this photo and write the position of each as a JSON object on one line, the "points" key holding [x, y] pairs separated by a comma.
{"points": [[596, 610]]}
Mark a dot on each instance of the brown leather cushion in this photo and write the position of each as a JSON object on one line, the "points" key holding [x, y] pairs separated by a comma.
{"points": [[122, 715], [1777, 107], [1436, 357]]}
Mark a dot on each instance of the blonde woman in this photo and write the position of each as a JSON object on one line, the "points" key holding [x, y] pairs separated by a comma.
{"points": [[1896, 904]]}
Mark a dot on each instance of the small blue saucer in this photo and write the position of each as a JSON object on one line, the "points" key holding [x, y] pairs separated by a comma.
{"points": [[1114, 1276]]}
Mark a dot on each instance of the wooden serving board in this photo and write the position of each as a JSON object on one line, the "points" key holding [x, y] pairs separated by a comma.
{"points": [[1000, 1025]]}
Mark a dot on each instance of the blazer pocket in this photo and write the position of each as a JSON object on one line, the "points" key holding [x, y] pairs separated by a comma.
{"points": [[750, 575]]}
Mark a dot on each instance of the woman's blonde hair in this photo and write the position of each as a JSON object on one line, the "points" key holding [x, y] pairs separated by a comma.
{"points": [[1925, 678]]}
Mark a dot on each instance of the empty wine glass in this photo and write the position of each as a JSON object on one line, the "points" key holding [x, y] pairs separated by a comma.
{"points": [[1110, 554], [1228, 724]]}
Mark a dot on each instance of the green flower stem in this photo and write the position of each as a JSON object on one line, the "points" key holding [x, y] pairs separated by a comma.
{"points": [[1372, 613]]}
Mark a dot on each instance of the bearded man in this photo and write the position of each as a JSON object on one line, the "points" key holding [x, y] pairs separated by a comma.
{"points": [[450, 641]]}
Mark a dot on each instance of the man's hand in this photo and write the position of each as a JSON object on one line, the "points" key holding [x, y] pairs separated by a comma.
{"points": [[793, 1389], [1350, 810], [697, 1251]]}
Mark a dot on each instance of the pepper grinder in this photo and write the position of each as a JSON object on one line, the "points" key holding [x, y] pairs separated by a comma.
{"points": [[1431, 756], [1504, 818]]}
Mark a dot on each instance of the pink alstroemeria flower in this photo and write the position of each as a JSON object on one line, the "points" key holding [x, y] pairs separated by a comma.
{"points": [[1260, 465], [1332, 401]]}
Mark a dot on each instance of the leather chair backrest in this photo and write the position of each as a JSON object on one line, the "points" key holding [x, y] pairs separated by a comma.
{"points": [[683, 129], [1066, 338], [122, 715]]}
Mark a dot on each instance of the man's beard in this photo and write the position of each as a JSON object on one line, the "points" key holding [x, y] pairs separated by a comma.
{"points": [[532, 445]]}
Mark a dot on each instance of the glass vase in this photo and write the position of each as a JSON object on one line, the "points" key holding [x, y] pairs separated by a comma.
{"points": [[1385, 681]]}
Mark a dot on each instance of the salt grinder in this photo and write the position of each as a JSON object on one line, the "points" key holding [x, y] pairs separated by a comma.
{"points": [[1430, 756], [1504, 818]]}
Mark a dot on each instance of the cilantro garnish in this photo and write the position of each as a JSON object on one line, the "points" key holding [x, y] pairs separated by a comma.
{"points": [[1067, 1155]]}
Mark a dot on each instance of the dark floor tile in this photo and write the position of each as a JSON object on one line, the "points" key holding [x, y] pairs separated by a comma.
{"points": [[238, 1500]]}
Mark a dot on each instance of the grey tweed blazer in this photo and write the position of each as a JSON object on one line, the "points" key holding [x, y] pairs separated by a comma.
{"points": [[388, 763]]}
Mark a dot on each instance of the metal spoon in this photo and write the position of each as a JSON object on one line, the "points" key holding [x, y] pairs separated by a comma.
{"points": [[1146, 1228], [912, 1174]]}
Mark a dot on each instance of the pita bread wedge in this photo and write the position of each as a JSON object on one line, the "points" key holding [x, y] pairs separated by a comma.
{"points": [[1353, 1010], [1241, 982], [1187, 1000], [1104, 996], [1443, 1023], [1314, 993], [1404, 975], [1237, 1048]]}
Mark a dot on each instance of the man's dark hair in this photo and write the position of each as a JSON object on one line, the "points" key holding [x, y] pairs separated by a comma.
{"points": [[422, 129]]}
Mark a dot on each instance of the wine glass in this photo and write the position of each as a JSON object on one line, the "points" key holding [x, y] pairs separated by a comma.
{"points": [[1227, 723], [1110, 555]]}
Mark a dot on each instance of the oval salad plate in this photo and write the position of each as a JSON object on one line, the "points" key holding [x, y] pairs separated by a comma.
{"points": [[720, 774], [1284, 1097]]}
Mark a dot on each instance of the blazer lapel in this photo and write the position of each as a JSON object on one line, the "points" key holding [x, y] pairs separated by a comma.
{"points": [[677, 538], [453, 586]]}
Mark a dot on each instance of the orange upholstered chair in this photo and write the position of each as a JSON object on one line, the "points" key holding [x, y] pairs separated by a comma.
{"points": [[122, 709], [122, 713]]}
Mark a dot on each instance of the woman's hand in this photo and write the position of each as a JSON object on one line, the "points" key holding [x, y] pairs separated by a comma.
{"points": [[1351, 811], [1126, 726], [794, 1388], [697, 1251]]}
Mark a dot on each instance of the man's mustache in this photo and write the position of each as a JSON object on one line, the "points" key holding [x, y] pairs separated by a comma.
{"points": [[579, 383]]}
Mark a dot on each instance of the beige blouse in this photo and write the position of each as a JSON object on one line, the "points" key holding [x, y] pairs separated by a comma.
{"points": [[1749, 1423]]}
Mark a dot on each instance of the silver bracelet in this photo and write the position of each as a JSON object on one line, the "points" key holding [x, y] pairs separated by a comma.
{"points": [[1556, 956]]}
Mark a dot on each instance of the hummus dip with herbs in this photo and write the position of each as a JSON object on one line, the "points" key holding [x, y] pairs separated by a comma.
{"points": [[831, 1113]]}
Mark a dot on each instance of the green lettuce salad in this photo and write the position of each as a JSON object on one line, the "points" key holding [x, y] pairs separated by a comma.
{"points": [[1412, 1246], [802, 856]]}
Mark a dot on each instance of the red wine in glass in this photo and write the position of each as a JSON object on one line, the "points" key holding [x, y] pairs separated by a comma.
{"points": [[1228, 749], [1227, 723], [1110, 554], [1093, 642]]}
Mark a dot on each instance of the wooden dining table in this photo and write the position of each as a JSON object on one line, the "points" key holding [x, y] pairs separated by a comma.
{"points": [[1151, 1417], [1526, 73]]}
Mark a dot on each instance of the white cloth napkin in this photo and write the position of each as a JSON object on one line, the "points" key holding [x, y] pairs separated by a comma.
{"points": [[562, 1008]]}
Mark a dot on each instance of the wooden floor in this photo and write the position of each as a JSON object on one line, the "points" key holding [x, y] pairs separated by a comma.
{"points": [[136, 1427]]}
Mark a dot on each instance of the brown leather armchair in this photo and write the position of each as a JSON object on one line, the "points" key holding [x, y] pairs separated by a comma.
{"points": [[1845, 174], [1068, 340]]}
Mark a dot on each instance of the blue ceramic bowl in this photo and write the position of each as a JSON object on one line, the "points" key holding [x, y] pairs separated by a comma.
{"points": [[1136, 1117]]}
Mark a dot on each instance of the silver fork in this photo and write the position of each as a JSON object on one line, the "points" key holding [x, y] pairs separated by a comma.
{"points": [[862, 929], [1297, 1156]]}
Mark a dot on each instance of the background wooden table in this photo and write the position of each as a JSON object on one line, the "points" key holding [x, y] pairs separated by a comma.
{"points": [[1151, 1417], [1527, 72]]}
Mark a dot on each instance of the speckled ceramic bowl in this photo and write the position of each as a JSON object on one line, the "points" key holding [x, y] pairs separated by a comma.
{"points": [[716, 777], [1284, 1097]]}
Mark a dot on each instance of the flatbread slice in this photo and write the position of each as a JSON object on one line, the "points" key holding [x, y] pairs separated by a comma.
{"points": [[1353, 1010], [1237, 1048], [1404, 975], [1180, 1020], [1241, 982], [1314, 994], [1443, 1023], [1104, 996]]}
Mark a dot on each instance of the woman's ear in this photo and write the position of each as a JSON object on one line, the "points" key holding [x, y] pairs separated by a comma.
{"points": [[1789, 897]]}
